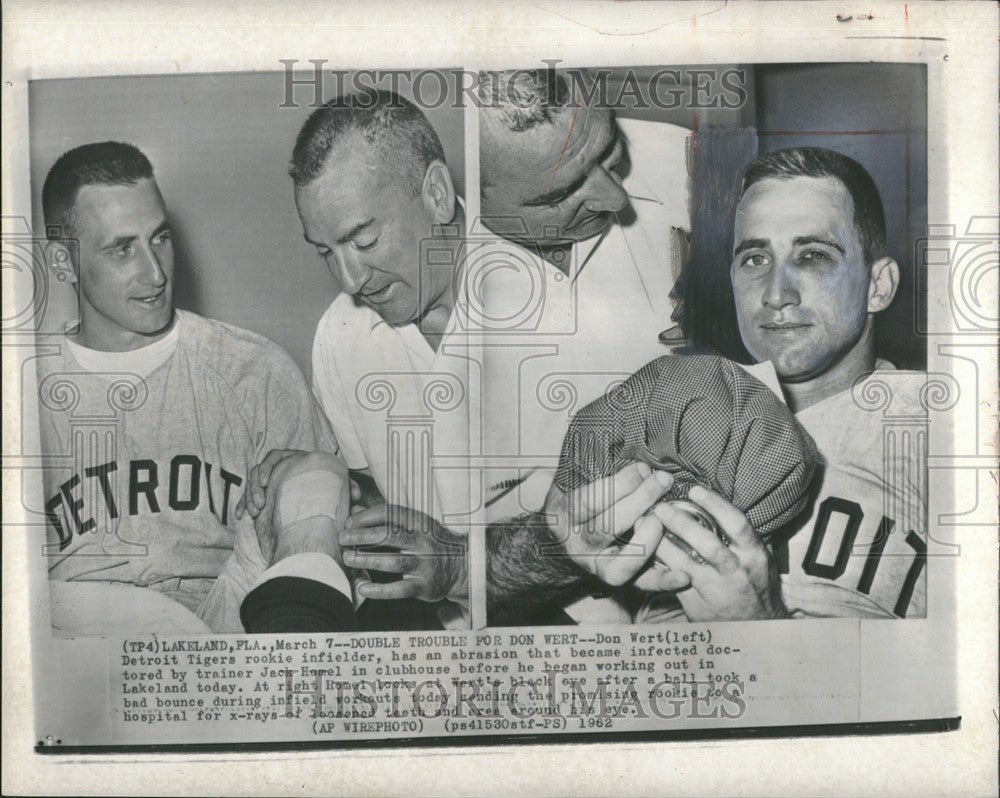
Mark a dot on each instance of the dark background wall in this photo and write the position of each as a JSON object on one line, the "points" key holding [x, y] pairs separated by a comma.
{"points": [[220, 146]]}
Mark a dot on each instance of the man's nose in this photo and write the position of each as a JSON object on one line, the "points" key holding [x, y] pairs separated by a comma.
{"points": [[153, 273], [781, 289], [604, 192], [351, 273]]}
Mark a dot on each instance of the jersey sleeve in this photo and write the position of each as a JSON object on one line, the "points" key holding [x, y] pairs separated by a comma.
{"points": [[283, 414], [288, 414]]}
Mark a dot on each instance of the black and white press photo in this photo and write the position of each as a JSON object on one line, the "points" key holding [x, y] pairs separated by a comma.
{"points": [[599, 391]]}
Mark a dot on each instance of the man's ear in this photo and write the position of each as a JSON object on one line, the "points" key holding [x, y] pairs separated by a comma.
{"points": [[438, 192], [59, 261], [883, 284]]}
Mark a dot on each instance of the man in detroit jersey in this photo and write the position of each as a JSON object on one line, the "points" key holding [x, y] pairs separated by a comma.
{"points": [[862, 552], [809, 273], [151, 418]]}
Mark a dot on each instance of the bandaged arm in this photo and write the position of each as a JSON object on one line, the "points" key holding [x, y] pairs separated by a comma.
{"points": [[305, 589]]}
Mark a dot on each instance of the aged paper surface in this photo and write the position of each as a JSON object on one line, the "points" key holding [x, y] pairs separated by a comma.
{"points": [[215, 98]]}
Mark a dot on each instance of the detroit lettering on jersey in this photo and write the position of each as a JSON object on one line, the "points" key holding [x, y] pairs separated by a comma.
{"points": [[143, 466], [840, 531], [181, 485], [862, 551]]}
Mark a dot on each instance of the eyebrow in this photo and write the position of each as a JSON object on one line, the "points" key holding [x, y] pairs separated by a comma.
{"points": [[354, 231], [561, 193], [751, 243], [764, 243], [802, 240], [361, 226], [121, 241]]}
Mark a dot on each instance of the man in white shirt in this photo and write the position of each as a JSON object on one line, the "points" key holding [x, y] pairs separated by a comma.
{"points": [[590, 206], [376, 199]]}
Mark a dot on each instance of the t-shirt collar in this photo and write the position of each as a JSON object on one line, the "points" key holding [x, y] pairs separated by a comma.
{"points": [[142, 361]]}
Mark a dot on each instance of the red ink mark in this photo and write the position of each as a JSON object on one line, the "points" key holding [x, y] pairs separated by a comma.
{"points": [[569, 135], [906, 12]]}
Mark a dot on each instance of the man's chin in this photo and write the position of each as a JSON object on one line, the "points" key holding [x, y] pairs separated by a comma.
{"points": [[395, 315], [152, 327], [796, 371]]}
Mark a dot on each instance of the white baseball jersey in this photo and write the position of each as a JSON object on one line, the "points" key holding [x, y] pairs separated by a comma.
{"points": [[144, 470], [862, 552]]}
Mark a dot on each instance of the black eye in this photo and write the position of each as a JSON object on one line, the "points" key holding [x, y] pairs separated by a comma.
{"points": [[365, 247], [815, 255]]}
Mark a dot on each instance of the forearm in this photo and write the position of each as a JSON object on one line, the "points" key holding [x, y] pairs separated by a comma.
{"points": [[310, 535], [527, 570], [451, 579]]}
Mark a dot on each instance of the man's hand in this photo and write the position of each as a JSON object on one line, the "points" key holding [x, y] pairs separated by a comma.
{"points": [[255, 495], [282, 537], [364, 491], [590, 521], [431, 559], [735, 582]]}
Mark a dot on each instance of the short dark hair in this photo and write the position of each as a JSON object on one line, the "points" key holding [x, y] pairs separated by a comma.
{"points": [[107, 163], [869, 217], [523, 98], [393, 126]]}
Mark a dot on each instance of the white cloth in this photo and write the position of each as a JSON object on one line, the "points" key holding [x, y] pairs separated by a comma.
{"points": [[105, 608], [142, 361], [309, 495]]}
